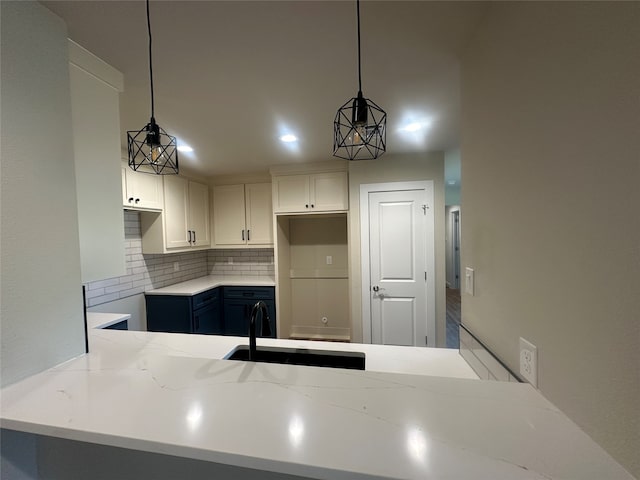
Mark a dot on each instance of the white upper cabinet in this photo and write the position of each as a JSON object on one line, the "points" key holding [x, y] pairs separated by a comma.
{"points": [[310, 193], [183, 224], [95, 88], [141, 191], [259, 214], [242, 215], [199, 215], [176, 212]]}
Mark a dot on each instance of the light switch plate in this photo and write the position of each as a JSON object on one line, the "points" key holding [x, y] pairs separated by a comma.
{"points": [[529, 362], [329, 260], [469, 281]]}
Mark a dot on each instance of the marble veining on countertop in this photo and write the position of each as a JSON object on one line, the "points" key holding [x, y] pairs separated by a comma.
{"points": [[202, 284], [312, 422]]}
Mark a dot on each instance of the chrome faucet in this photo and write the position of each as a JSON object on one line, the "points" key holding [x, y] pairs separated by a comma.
{"points": [[261, 307]]}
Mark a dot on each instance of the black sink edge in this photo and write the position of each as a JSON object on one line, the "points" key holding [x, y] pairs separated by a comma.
{"points": [[301, 356]]}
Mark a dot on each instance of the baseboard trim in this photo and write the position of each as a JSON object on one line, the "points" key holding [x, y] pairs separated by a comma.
{"points": [[304, 332], [482, 360]]}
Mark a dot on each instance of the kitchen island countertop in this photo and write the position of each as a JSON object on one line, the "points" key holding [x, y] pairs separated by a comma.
{"points": [[307, 421]]}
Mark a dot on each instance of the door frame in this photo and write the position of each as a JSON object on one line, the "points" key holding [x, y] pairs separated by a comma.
{"points": [[455, 246], [365, 260]]}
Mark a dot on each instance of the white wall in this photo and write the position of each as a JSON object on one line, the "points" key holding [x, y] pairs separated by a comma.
{"points": [[41, 308], [396, 168], [452, 166], [551, 175]]}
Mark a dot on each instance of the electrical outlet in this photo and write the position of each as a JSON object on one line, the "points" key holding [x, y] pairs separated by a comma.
{"points": [[329, 260], [529, 362], [176, 266]]}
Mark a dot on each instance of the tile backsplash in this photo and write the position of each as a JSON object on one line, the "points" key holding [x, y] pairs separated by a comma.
{"points": [[253, 261], [146, 272]]}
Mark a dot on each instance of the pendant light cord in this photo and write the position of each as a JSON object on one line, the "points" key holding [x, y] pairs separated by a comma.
{"points": [[150, 61], [359, 68]]}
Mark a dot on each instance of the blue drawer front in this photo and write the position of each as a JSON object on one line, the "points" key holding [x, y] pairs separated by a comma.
{"points": [[249, 293], [205, 298]]}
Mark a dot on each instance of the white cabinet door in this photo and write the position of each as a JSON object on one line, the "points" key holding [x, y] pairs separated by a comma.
{"points": [[229, 215], [141, 191], [317, 192], [329, 191], [96, 146], [243, 214], [199, 214], [176, 212], [259, 214], [148, 189], [291, 193]]}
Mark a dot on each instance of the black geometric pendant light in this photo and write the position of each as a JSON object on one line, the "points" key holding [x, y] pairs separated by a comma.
{"points": [[359, 129], [151, 150]]}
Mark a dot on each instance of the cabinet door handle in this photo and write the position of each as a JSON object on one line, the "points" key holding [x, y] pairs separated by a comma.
{"points": [[248, 235], [243, 235], [306, 206], [189, 232], [130, 199], [137, 200], [313, 206], [194, 237]]}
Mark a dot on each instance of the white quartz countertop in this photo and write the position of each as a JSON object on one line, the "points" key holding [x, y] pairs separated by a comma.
{"points": [[202, 284], [307, 421], [103, 320]]}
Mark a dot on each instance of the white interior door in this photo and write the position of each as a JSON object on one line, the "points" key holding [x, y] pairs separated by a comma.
{"points": [[400, 287]]}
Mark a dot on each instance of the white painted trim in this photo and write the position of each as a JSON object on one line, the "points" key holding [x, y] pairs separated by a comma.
{"points": [[87, 61], [320, 333], [365, 189]]}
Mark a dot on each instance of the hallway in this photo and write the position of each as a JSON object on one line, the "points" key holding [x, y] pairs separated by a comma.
{"points": [[453, 318]]}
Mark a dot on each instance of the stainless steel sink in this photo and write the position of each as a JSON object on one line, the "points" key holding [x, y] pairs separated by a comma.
{"points": [[301, 356]]}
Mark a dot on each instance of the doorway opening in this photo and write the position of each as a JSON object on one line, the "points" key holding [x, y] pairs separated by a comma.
{"points": [[453, 276]]}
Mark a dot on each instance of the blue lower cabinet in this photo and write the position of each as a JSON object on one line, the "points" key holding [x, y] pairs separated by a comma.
{"points": [[219, 311], [123, 325], [237, 314], [169, 313], [238, 302], [185, 314], [208, 319]]}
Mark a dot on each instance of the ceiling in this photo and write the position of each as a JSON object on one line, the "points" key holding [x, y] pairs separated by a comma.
{"points": [[231, 77]]}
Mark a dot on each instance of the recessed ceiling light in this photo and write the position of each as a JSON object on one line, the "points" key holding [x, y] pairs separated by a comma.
{"points": [[185, 148], [289, 138], [413, 127]]}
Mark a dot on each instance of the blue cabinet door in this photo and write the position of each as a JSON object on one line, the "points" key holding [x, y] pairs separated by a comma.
{"points": [[168, 313], [200, 313], [237, 313], [208, 320]]}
